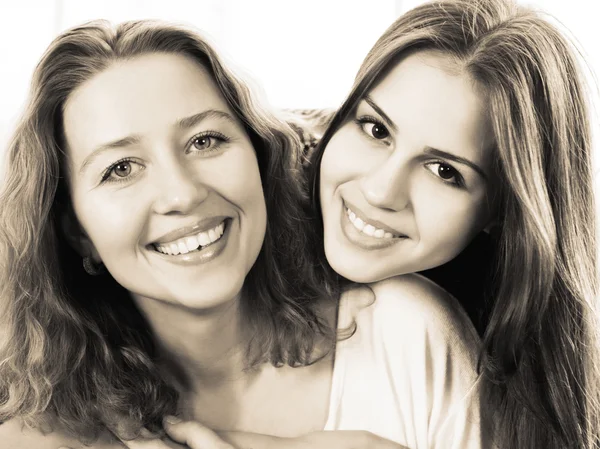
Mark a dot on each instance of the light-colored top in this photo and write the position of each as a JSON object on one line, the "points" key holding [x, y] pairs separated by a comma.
{"points": [[408, 373]]}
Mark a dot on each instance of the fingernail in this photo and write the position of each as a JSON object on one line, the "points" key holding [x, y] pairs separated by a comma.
{"points": [[170, 419], [145, 433]]}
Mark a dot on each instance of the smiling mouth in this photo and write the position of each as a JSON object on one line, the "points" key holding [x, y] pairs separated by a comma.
{"points": [[193, 243], [368, 229]]}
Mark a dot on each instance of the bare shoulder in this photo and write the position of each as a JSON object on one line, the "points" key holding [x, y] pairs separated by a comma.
{"points": [[15, 435], [415, 300], [412, 289]]}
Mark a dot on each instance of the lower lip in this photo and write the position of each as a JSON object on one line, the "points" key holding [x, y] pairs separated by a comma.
{"points": [[205, 255], [362, 240]]}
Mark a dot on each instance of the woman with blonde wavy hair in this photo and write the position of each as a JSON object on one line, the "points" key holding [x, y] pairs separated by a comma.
{"points": [[133, 222]]}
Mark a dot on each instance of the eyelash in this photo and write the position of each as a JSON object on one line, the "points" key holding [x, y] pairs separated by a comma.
{"points": [[367, 119], [108, 170], [212, 134], [458, 182]]}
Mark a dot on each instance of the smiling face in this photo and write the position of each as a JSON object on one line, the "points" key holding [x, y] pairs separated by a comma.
{"points": [[404, 181], [164, 181]]}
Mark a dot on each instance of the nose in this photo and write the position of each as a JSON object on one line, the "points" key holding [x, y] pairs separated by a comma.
{"points": [[386, 185], [179, 191]]}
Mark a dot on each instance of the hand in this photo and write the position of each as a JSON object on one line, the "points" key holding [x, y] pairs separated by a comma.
{"points": [[139, 443], [193, 435], [345, 439], [197, 436]]}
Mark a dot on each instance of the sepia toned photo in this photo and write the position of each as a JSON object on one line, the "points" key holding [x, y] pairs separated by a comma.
{"points": [[330, 224]]}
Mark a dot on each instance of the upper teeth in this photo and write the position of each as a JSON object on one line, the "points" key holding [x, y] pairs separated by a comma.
{"points": [[367, 229], [185, 245]]}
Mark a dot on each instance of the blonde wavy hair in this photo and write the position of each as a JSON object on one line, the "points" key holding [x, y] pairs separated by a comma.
{"points": [[74, 350]]}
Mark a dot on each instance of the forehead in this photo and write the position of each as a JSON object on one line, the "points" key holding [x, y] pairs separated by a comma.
{"points": [[431, 97], [136, 96]]}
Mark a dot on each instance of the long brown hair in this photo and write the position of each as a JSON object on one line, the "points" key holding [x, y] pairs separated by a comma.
{"points": [[74, 347], [541, 348]]}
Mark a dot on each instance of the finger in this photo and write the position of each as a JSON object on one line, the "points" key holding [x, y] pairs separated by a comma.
{"points": [[141, 443], [340, 439], [194, 434]]}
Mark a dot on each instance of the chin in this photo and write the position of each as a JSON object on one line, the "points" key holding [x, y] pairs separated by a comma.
{"points": [[203, 296], [352, 269], [206, 301]]}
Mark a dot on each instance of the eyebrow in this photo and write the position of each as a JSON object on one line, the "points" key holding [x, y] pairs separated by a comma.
{"points": [[381, 112], [193, 120], [184, 123], [119, 143], [428, 150]]}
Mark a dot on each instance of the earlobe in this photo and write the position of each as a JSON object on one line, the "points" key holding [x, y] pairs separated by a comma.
{"points": [[77, 238], [491, 227]]}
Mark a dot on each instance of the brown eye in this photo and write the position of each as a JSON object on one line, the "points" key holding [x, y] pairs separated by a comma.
{"points": [[446, 172], [375, 130], [122, 169], [379, 131]]}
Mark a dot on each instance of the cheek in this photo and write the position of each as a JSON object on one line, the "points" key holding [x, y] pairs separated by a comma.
{"points": [[341, 162], [329, 172], [113, 223], [242, 184], [449, 218]]}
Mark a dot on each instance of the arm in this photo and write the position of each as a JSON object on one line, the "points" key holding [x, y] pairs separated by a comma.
{"points": [[192, 435], [343, 439], [15, 435]]}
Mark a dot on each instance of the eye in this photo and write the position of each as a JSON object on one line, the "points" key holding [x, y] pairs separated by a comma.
{"points": [[202, 143], [446, 172], [373, 128], [206, 142], [121, 170]]}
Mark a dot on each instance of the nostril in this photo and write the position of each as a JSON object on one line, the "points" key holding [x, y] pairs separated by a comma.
{"points": [[175, 200]]}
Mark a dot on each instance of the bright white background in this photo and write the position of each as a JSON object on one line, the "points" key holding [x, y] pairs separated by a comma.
{"points": [[303, 53]]}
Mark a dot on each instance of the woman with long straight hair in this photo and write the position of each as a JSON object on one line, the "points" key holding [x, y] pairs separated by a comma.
{"points": [[541, 352]]}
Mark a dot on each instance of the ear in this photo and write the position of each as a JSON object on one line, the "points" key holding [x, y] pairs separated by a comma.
{"points": [[77, 238], [492, 226]]}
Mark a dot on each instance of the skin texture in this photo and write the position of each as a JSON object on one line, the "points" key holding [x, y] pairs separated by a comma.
{"points": [[388, 173], [176, 175]]}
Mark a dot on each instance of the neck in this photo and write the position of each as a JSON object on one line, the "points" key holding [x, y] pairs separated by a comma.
{"points": [[199, 348]]}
